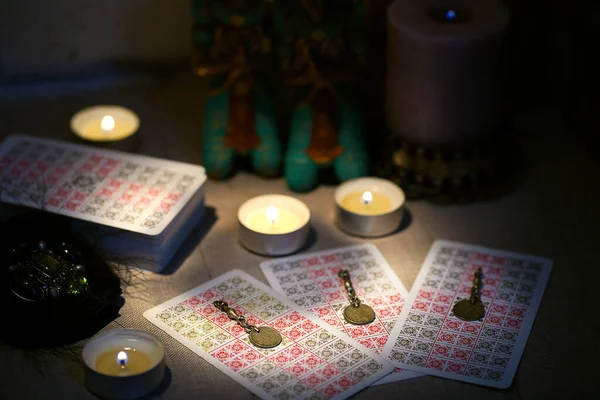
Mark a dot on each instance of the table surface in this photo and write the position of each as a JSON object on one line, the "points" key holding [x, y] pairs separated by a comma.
{"points": [[554, 213]]}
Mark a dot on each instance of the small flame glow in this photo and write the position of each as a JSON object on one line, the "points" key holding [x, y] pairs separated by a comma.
{"points": [[367, 198], [272, 214], [122, 359], [107, 124]]}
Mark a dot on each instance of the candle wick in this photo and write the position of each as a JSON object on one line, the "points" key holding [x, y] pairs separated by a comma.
{"points": [[272, 215], [122, 359], [367, 198]]}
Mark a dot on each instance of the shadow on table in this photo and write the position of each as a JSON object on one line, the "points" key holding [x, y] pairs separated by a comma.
{"points": [[406, 221], [191, 242], [162, 388], [311, 239]]}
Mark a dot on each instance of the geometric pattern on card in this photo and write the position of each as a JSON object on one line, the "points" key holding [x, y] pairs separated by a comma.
{"points": [[312, 361], [312, 282], [431, 339], [125, 191]]}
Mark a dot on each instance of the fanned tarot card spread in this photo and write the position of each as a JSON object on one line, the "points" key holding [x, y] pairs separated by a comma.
{"points": [[432, 340], [125, 191], [313, 360], [312, 282]]}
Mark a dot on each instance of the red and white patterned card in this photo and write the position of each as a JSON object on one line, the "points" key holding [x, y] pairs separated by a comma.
{"points": [[314, 361], [126, 191], [311, 281], [430, 339]]}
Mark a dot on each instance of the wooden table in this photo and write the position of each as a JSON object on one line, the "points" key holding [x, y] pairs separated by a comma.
{"points": [[555, 213]]}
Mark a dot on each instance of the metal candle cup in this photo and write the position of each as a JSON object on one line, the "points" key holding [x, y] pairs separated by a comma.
{"points": [[123, 387], [363, 224], [273, 225]]}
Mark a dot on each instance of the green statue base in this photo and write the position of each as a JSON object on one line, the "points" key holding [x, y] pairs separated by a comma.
{"points": [[325, 136]]}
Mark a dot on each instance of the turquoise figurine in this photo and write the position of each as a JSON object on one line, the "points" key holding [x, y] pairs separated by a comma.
{"points": [[320, 43], [231, 48], [325, 136]]}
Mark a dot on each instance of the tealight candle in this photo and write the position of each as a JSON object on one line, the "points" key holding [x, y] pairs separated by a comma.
{"points": [[123, 364], [273, 220], [273, 224], [128, 361], [369, 207], [110, 126], [367, 203]]}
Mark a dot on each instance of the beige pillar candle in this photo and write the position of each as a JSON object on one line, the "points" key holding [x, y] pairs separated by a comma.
{"points": [[442, 69]]}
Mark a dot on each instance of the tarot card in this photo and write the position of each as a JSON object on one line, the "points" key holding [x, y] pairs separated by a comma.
{"points": [[313, 360], [312, 282], [125, 191], [432, 340]]}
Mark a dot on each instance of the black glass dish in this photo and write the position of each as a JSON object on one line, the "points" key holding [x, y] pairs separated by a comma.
{"points": [[55, 289]]}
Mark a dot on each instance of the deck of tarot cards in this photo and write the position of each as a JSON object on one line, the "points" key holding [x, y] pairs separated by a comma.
{"points": [[137, 210]]}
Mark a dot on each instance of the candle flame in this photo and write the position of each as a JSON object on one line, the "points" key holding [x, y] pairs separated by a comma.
{"points": [[450, 15], [122, 359], [272, 214], [367, 198], [108, 123]]}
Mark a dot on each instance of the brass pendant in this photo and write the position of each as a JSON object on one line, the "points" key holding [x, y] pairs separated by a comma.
{"points": [[471, 309], [357, 312], [265, 338], [468, 311], [359, 315]]}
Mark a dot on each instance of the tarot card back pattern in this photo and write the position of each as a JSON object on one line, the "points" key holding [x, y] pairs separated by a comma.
{"points": [[432, 337], [313, 283], [310, 362], [90, 185]]}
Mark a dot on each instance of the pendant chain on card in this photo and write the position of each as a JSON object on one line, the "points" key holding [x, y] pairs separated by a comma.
{"points": [[357, 312], [264, 337], [471, 309]]}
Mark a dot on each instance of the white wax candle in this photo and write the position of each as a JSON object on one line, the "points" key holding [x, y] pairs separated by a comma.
{"points": [[123, 361], [273, 220], [273, 224], [367, 203], [105, 123]]}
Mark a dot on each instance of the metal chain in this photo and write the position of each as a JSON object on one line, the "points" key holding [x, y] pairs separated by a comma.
{"points": [[233, 315], [345, 275], [476, 288]]}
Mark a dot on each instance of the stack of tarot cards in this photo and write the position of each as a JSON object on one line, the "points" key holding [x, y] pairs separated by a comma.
{"points": [[137, 210]]}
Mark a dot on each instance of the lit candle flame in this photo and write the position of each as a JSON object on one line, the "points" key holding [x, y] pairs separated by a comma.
{"points": [[272, 214], [107, 124], [122, 359], [366, 198]]}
